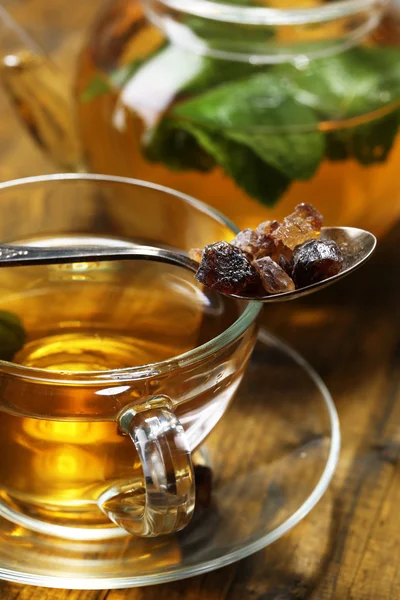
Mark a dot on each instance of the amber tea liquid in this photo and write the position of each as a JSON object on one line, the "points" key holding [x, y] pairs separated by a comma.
{"points": [[93, 317]]}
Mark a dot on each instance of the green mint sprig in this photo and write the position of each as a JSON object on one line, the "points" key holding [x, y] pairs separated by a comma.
{"points": [[12, 335], [260, 124]]}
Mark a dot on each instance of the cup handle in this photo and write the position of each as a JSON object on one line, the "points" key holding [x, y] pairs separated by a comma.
{"points": [[168, 500]]}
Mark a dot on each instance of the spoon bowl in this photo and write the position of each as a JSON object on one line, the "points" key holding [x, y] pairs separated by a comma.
{"points": [[356, 245]]}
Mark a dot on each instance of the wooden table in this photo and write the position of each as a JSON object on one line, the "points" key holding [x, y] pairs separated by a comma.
{"points": [[349, 546]]}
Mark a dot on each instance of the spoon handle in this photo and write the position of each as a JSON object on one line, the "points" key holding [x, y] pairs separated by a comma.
{"points": [[22, 256]]}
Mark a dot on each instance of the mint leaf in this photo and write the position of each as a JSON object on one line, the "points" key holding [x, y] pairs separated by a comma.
{"points": [[338, 145], [261, 181], [348, 84], [252, 174], [373, 141], [368, 143], [258, 179], [297, 156], [175, 146], [12, 335], [241, 110], [353, 84]]}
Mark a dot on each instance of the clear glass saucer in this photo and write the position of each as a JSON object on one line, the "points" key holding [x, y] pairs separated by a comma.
{"points": [[272, 457]]}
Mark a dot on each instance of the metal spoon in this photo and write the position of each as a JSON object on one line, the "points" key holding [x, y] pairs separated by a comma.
{"points": [[357, 246]]}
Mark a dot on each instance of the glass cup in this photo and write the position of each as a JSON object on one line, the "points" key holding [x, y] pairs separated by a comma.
{"points": [[115, 353]]}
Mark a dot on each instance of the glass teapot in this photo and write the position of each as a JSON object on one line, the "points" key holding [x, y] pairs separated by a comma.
{"points": [[250, 105]]}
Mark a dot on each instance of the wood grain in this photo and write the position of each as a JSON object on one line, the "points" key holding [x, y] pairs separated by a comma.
{"points": [[348, 548]]}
